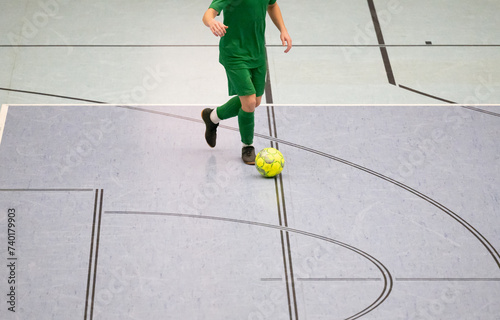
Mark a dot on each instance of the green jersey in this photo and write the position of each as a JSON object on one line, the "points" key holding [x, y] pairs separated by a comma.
{"points": [[243, 45]]}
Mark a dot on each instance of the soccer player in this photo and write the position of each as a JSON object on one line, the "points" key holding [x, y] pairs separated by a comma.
{"points": [[242, 52]]}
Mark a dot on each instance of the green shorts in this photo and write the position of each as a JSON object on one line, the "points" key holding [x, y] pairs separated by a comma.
{"points": [[245, 82]]}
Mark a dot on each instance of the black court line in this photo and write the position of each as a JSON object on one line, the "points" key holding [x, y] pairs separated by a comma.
{"points": [[162, 113], [448, 279], [268, 92], [491, 113], [287, 235], [93, 228], [269, 100], [94, 242], [172, 115], [470, 107], [288, 278], [381, 42], [339, 279], [426, 94], [50, 95], [386, 275], [487, 245], [281, 206], [271, 279], [91, 255], [96, 255]]}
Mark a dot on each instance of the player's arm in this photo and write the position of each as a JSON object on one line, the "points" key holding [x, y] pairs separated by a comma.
{"points": [[217, 27], [275, 14]]}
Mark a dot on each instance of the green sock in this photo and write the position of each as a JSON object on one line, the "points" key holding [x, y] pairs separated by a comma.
{"points": [[229, 109], [246, 122]]}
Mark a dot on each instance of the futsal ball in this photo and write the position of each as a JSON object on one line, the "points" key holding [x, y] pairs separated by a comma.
{"points": [[269, 162]]}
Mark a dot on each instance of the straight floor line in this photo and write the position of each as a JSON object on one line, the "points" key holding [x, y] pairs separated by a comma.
{"points": [[91, 256], [96, 256], [426, 94], [350, 105], [49, 95], [447, 279], [312, 45], [339, 279], [381, 42], [286, 247]]}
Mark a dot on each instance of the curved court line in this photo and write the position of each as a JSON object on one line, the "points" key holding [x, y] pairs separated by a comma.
{"points": [[49, 95], [136, 107], [473, 108], [465, 106], [140, 107], [488, 246], [387, 277]]}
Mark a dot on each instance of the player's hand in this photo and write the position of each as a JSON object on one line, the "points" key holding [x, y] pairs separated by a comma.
{"points": [[286, 40], [218, 28]]}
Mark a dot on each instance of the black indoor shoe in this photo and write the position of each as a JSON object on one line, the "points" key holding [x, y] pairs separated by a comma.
{"points": [[211, 128], [248, 155]]}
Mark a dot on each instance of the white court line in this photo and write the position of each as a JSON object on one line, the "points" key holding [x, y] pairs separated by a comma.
{"points": [[3, 116], [5, 107], [262, 105]]}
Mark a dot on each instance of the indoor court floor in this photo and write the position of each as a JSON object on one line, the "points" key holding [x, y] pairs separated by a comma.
{"points": [[112, 205]]}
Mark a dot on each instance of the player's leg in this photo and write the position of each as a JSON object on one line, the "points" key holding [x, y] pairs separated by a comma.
{"points": [[246, 123], [210, 127], [241, 84], [249, 85], [227, 110], [230, 109], [246, 118], [212, 117], [248, 103], [259, 99]]}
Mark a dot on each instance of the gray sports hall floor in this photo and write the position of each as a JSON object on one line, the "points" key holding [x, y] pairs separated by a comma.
{"points": [[112, 206]]}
